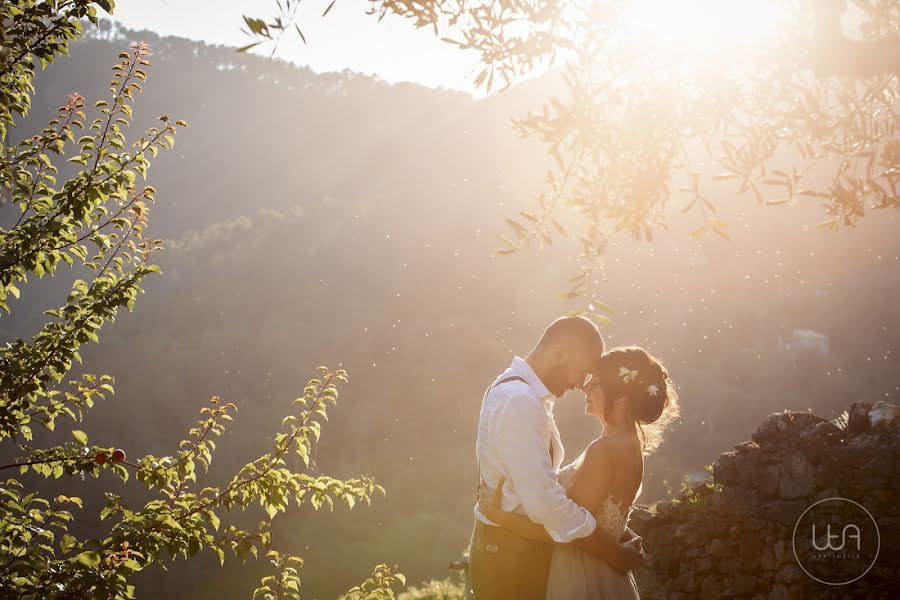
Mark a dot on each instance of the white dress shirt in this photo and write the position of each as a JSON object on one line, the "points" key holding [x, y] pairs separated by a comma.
{"points": [[515, 433]]}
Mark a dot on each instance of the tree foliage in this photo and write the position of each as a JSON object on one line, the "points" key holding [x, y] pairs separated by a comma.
{"points": [[649, 120], [94, 220]]}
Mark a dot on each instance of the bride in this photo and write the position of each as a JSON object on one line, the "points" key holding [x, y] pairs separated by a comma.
{"points": [[629, 390]]}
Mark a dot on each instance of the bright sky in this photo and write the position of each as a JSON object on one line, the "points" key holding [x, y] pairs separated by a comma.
{"points": [[347, 38]]}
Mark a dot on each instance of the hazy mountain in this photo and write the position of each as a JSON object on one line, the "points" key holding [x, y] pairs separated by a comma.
{"points": [[336, 219]]}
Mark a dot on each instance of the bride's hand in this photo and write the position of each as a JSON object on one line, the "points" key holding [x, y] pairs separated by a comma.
{"points": [[489, 500]]}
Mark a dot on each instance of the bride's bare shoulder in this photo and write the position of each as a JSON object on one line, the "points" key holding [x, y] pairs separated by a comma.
{"points": [[610, 448], [601, 450]]}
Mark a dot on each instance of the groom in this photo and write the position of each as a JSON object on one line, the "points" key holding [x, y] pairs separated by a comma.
{"points": [[518, 439]]}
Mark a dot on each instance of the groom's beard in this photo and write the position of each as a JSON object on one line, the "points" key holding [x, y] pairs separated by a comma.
{"points": [[558, 378]]}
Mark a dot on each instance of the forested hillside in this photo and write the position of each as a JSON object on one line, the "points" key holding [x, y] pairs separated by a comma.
{"points": [[297, 236]]}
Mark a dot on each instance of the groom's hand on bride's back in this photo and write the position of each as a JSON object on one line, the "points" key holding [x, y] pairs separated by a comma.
{"points": [[622, 557], [636, 544], [631, 555], [630, 538]]}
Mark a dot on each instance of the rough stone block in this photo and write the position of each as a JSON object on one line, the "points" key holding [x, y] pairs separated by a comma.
{"points": [[797, 478], [789, 573], [766, 478], [725, 469], [711, 588], [858, 420], [749, 550]]}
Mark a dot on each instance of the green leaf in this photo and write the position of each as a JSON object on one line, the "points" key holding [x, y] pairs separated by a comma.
{"points": [[698, 232], [602, 319], [90, 558], [603, 306], [80, 437], [257, 26], [67, 542]]}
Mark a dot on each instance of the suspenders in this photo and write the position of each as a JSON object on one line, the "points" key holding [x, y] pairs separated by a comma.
{"points": [[490, 387], [511, 378]]}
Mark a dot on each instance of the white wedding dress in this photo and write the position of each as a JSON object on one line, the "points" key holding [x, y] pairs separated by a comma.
{"points": [[577, 575]]}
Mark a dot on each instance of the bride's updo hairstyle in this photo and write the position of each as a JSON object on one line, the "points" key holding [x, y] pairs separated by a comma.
{"points": [[652, 401]]}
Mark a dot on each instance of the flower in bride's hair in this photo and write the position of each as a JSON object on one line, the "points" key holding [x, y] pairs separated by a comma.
{"points": [[627, 375], [652, 390]]}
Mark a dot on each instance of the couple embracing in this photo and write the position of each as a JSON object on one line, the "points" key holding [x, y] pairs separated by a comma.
{"points": [[543, 530]]}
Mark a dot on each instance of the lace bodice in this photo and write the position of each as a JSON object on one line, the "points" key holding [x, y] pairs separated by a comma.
{"points": [[608, 515]]}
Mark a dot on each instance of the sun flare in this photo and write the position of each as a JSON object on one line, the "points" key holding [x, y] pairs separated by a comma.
{"points": [[697, 29]]}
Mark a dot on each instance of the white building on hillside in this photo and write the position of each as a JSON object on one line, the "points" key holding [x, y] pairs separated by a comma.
{"points": [[805, 340]]}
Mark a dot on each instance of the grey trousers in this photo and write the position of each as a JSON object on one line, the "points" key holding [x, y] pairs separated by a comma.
{"points": [[505, 566]]}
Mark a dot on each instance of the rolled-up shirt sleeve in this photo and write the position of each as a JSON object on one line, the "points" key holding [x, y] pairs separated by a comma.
{"points": [[520, 435]]}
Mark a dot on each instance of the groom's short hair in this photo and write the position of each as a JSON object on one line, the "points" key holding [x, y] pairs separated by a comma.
{"points": [[568, 329]]}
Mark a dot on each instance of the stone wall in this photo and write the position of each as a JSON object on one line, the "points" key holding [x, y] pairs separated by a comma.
{"points": [[732, 537]]}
